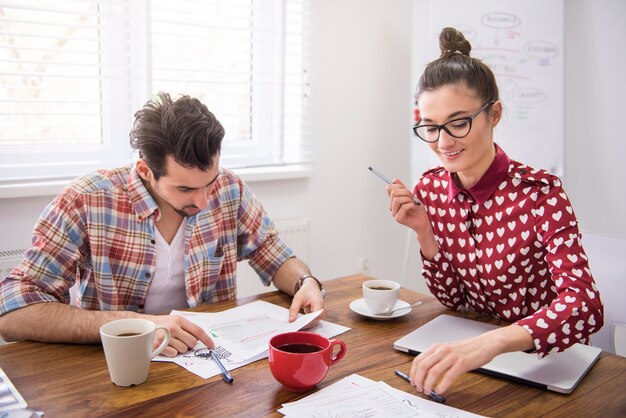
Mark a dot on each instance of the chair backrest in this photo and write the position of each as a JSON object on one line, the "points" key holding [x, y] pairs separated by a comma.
{"points": [[619, 339], [608, 266]]}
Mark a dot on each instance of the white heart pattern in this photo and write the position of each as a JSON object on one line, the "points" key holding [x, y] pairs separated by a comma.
{"points": [[512, 254]]}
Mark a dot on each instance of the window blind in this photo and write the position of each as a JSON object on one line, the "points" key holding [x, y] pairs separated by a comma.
{"points": [[244, 59], [51, 92], [73, 72], [61, 77]]}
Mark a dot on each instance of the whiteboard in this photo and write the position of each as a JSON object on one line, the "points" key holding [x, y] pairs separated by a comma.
{"points": [[522, 42]]}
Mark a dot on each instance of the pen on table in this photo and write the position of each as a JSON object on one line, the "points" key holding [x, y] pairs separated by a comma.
{"points": [[225, 375], [433, 395], [386, 180]]}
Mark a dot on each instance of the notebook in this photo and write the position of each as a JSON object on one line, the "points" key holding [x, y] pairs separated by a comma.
{"points": [[559, 372], [10, 398]]}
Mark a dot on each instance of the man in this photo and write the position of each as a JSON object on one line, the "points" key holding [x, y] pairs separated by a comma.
{"points": [[165, 233]]}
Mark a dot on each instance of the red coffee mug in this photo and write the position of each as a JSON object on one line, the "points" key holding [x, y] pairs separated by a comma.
{"points": [[300, 360]]}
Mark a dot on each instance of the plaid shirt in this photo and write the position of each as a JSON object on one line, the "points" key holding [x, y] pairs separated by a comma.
{"points": [[100, 232]]}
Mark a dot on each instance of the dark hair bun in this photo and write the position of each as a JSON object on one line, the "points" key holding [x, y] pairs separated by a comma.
{"points": [[451, 42]]}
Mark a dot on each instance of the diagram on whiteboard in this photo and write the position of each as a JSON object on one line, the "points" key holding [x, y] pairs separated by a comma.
{"points": [[522, 42]]}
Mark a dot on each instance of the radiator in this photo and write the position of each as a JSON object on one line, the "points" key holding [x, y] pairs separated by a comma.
{"points": [[9, 259], [295, 232]]}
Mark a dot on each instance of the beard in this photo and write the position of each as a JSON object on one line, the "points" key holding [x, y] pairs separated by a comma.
{"points": [[154, 190], [184, 212]]}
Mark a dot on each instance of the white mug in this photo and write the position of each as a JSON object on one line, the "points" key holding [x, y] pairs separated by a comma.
{"points": [[128, 349], [381, 295]]}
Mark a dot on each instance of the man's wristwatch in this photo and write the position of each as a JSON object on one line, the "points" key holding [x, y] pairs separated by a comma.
{"points": [[303, 278]]}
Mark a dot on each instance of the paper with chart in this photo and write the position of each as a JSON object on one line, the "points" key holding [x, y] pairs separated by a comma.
{"points": [[355, 397], [241, 335]]}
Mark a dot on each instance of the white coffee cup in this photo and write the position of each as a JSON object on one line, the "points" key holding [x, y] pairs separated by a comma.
{"points": [[128, 349], [381, 295]]}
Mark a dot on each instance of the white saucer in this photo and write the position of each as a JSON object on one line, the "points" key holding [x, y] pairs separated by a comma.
{"points": [[361, 308]]}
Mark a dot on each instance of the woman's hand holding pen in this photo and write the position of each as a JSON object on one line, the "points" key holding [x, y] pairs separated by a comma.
{"points": [[407, 213], [439, 366], [404, 209]]}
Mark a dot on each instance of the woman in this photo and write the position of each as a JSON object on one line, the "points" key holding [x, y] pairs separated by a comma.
{"points": [[496, 236]]}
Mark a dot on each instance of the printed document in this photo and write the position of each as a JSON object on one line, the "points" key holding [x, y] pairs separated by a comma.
{"points": [[242, 334], [355, 397]]}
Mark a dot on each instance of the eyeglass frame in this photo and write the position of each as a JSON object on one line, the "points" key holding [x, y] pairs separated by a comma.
{"points": [[469, 119]]}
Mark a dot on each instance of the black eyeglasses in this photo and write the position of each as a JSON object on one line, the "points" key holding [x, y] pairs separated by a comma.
{"points": [[456, 128]]}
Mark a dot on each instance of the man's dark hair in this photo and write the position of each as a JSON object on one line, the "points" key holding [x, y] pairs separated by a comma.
{"points": [[183, 128]]}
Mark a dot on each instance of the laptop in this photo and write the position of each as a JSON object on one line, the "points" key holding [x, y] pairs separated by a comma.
{"points": [[559, 372]]}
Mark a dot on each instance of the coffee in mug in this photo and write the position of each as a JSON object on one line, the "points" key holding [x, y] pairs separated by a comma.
{"points": [[300, 360], [381, 295], [300, 348], [127, 334], [128, 349]]}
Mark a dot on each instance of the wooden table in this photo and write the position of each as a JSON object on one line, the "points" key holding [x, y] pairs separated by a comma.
{"points": [[72, 380]]}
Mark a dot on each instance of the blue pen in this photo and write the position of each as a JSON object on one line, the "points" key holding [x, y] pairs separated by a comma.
{"points": [[386, 180], [225, 375], [433, 395]]}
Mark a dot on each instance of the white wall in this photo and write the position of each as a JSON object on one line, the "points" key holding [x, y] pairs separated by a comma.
{"points": [[17, 218], [595, 91], [595, 145], [360, 115]]}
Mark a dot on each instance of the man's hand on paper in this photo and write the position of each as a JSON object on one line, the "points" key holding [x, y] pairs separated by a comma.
{"points": [[245, 343], [184, 334], [308, 299]]}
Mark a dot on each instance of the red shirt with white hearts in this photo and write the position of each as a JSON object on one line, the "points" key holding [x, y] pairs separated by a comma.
{"points": [[510, 247]]}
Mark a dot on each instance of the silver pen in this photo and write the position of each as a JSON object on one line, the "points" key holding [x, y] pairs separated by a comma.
{"points": [[386, 180], [225, 375]]}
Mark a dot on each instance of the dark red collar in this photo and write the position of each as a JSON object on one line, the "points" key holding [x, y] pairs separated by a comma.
{"points": [[488, 183]]}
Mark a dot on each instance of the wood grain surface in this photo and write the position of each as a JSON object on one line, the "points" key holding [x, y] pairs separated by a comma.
{"points": [[67, 380]]}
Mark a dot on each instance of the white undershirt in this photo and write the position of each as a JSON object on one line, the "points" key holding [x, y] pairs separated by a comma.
{"points": [[167, 290]]}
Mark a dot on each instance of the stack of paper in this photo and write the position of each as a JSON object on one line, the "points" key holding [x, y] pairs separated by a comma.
{"points": [[242, 334], [356, 396]]}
